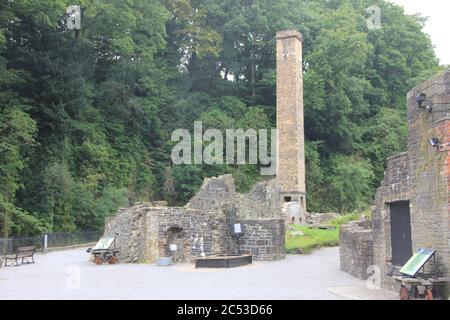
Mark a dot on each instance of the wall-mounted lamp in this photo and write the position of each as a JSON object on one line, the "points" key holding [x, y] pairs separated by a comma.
{"points": [[421, 100], [435, 142]]}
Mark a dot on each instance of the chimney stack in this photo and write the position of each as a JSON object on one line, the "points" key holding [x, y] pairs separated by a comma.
{"points": [[290, 120]]}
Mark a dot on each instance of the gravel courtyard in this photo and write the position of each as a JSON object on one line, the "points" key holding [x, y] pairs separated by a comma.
{"points": [[70, 275]]}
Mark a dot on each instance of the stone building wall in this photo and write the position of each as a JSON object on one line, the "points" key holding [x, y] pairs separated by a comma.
{"points": [[396, 186], [421, 177], [356, 248], [430, 213]]}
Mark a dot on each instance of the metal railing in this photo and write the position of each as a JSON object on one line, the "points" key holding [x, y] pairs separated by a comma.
{"points": [[49, 240]]}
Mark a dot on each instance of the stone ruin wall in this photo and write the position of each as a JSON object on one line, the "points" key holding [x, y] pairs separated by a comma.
{"points": [[356, 243], [264, 239], [127, 227], [142, 232], [205, 223], [218, 192]]}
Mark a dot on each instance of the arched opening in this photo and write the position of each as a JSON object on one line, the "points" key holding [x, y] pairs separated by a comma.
{"points": [[175, 238]]}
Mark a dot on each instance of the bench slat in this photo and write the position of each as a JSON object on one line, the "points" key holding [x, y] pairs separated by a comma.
{"points": [[26, 249]]}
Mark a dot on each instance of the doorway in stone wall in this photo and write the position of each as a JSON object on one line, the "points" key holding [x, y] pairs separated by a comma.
{"points": [[175, 238], [401, 240]]}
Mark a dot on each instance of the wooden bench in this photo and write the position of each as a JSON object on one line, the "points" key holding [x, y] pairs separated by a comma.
{"points": [[23, 253]]}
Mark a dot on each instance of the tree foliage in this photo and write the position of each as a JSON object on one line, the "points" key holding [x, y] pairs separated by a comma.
{"points": [[86, 120]]}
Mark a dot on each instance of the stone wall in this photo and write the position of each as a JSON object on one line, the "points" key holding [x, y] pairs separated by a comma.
{"points": [[143, 233], [321, 218], [356, 243], [146, 231], [205, 232], [430, 215], [396, 186], [421, 177], [214, 193], [264, 239], [261, 202], [127, 225]]}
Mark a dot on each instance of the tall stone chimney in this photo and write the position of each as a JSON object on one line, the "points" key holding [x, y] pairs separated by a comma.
{"points": [[290, 123]]}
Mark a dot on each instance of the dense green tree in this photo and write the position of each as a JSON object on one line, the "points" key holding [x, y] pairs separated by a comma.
{"points": [[86, 117]]}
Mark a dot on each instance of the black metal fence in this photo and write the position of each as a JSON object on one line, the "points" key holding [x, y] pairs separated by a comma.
{"points": [[50, 240], [10, 245]]}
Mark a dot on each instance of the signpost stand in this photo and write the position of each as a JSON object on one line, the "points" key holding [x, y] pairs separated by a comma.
{"points": [[238, 231], [411, 278]]}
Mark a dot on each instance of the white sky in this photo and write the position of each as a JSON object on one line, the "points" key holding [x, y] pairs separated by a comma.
{"points": [[438, 24]]}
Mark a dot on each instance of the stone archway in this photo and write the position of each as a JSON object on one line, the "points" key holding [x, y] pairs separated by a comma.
{"points": [[175, 243]]}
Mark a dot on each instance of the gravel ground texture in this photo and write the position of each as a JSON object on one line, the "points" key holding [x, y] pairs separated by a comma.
{"points": [[70, 275]]}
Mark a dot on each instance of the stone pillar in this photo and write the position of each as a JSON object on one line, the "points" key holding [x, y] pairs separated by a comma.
{"points": [[290, 123]]}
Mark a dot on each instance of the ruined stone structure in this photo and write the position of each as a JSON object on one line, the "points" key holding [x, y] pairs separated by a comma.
{"points": [[412, 205], [356, 248], [290, 123], [202, 227], [149, 231]]}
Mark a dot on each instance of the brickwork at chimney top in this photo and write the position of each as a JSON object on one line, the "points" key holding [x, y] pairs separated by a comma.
{"points": [[290, 119]]}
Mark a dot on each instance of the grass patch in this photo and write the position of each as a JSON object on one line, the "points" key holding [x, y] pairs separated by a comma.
{"points": [[316, 238], [345, 219], [310, 240]]}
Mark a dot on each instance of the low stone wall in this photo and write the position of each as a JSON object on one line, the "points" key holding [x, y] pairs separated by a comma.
{"points": [[356, 243], [321, 218]]}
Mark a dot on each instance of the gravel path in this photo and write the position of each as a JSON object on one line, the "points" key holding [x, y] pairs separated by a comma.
{"points": [[69, 275]]}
